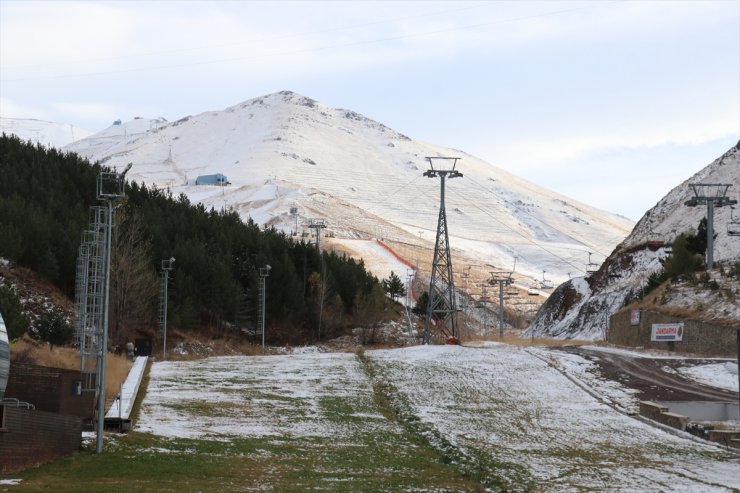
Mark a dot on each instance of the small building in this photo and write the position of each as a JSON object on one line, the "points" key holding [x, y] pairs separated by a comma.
{"points": [[217, 179]]}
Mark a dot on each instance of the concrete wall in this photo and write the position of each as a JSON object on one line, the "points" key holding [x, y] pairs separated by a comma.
{"points": [[698, 338], [29, 438]]}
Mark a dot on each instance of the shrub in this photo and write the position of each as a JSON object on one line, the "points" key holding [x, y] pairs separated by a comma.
{"points": [[53, 328]]}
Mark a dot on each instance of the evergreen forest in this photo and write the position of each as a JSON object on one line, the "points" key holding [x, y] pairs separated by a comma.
{"points": [[45, 200]]}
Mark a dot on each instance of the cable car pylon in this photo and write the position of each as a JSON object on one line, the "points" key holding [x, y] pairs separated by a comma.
{"points": [[442, 306]]}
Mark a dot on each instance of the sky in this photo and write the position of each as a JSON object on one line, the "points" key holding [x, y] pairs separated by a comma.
{"points": [[612, 103]]}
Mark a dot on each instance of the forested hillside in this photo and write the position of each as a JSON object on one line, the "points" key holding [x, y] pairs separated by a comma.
{"points": [[44, 201]]}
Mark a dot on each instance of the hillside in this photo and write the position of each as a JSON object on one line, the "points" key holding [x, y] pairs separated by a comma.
{"points": [[46, 133], [285, 150], [580, 307], [215, 280]]}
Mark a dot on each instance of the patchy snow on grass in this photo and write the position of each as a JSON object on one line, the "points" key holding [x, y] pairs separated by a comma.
{"points": [[513, 418], [720, 375], [513, 415], [282, 395], [586, 375]]}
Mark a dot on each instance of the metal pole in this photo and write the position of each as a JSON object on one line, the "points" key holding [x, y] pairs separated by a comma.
{"points": [[104, 343], [501, 310], [264, 302], [164, 321], [738, 363], [710, 235]]}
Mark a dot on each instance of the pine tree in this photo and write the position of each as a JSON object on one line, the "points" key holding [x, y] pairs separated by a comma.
{"points": [[394, 286]]}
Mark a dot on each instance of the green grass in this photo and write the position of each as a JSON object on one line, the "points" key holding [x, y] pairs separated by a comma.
{"points": [[140, 462], [369, 450]]}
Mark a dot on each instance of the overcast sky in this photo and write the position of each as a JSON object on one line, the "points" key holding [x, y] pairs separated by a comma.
{"points": [[610, 102]]}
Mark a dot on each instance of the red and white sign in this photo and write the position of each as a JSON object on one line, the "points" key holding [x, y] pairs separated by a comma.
{"points": [[667, 332], [634, 317]]}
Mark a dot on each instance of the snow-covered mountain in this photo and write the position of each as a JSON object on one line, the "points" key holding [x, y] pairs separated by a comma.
{"points": [[48, 134], [284, 151], [579, 308]]}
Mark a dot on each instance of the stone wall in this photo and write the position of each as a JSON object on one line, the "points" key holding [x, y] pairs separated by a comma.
{"points": [[698, 337]]}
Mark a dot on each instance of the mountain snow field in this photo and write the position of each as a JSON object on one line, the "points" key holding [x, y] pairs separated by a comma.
{"points": [[503, 414], [46, 133], [285, 150]]}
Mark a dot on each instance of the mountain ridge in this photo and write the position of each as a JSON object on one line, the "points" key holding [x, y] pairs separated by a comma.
{"points": [[286, 150], [580, 308]]}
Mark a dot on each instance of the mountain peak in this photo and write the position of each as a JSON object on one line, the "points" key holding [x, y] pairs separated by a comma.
{"points": [[284, 151]]}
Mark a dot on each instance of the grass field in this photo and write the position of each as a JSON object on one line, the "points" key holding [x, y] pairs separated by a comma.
{"points": [[421, 419]]}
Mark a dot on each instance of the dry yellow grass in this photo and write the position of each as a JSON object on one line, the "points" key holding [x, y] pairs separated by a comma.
{"points": [[190, 346], [32, 352]]}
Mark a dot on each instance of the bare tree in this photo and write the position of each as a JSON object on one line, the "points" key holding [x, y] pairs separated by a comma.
{"points": [[134, 284]]}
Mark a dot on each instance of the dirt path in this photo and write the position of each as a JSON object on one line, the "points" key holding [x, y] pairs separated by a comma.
{"points": [[647, 376]]}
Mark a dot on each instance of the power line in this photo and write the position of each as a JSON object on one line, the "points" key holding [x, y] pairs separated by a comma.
{"points": [[253, 40], [309, 50], [529, 240], [532, 216]]}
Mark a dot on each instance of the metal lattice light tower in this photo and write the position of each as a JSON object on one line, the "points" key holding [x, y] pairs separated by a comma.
{"points": [[164, 286], [264, 274], [110, 189], [442, 307], [713, 195]]}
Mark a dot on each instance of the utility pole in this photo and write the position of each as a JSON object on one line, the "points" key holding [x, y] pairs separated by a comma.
{"points": [[502, 279], [442, 308], [165, 281], [111, 188], [713, 195]]}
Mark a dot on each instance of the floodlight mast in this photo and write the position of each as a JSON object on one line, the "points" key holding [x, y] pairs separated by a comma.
{"points": [[264, 274], [717, 199], [166, 268], [104, 193], [442, 307]]}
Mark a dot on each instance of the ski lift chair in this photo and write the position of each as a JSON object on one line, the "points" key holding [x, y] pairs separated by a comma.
{"points": [[733, 227]]}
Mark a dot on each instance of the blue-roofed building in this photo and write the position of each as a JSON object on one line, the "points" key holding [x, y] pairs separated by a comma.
{"points": [[217, 179]]}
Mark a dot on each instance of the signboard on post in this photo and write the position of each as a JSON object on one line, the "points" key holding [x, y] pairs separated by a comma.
{"points": [[667, 332], [635, 317]]}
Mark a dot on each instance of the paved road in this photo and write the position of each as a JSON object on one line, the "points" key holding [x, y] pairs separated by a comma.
{"points": [[648, 376]]}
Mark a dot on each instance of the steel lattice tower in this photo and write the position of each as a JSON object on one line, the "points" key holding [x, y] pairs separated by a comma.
{"points": [[442, 306], [712, 195]]}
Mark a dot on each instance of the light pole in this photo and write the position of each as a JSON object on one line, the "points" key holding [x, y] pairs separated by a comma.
{"points": [[166, 268], [264, 274], [111, 187]]}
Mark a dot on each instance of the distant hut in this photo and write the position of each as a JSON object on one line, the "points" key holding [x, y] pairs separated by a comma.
{"points": [[217, 179]]}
